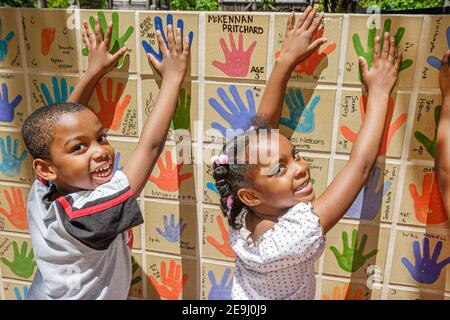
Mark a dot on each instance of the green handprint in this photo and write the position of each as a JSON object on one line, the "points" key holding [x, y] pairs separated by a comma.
{"points": [[352, 258], [116, 41], [368, 55], [22, 265], [430, 145], [134, 268], [181, 118]]}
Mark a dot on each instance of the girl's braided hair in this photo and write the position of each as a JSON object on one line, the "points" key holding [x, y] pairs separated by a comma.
{"points": [[231, 173]]}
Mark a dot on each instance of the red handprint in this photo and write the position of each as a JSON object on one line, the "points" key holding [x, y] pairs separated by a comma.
{"points": [[111, 112], [389, 129], [309, 64], [169, 178], [346, 291], [18, 212], [237, 61], [225, 247], [47, 38], [429, 206], [172, 284]]}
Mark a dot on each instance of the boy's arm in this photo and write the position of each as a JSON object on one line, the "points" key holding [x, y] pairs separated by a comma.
{"points": [[443, 138], [100, 61], [298, 44], [151, 142], [379, 81]]}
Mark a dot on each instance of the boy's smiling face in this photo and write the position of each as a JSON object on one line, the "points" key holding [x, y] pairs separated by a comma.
{"points": [[82, 158]]}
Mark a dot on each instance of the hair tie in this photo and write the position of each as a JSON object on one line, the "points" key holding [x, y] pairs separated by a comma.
{"points": [[252, 128], [229, 204], [223, 159], [214, 159]]}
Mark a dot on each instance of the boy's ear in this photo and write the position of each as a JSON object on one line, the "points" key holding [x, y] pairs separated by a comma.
{"points": [[44, 169], [248, 197]]}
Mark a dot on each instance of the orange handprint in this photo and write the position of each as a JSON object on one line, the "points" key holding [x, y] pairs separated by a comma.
{"points": [[111, 112], [225, 247], [172, 284], [18, 212], [389, 128], [47, 38], [169, 178], [309, 64], [429, 206], [346, 291]]}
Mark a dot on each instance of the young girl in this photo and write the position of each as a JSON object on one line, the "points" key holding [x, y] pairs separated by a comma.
{"points": [[277, 225]]}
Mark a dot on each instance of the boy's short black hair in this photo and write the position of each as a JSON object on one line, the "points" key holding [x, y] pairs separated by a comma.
{"points": [[38, 128]]}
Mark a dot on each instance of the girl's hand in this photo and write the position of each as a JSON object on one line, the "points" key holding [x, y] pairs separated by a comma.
{"points": [[444, 75], [175, 55], [100, 61], [298, 41], [381, 78]]}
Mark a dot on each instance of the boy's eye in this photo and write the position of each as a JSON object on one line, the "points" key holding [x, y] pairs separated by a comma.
{"points": [[102, 138], [281, 170], [78, 148]]}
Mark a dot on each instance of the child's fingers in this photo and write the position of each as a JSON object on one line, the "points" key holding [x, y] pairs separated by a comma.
{"points": [[161, 42], [98, 32], [363, 65], [119, 54], [445, 59], [392, 50], [303, 17], [376, 50], [89, 34], [309, 19], [316, 22], [86, 41], [316, 44], [108, 36], [186, 46], [170, 37], [386, 45], [178, 41], [290, 23], [153, 60], [398, 62]]}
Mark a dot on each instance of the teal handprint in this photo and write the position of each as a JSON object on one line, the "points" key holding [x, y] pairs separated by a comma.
{"points": [[368, 55], [4, 43], [430, 145], [116, 41], [301, 119], [22, 264], [134, 268], [182, 116], [60, 94], [352, 258]]}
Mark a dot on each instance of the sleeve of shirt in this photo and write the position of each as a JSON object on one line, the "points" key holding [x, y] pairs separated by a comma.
{"points": [[96, 217], [296, 238]]}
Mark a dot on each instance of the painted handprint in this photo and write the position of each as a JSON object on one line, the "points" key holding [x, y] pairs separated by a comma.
{"points": [[220, 291], [22, 264], [435, 61], [426, 269], [352, 258], [346, 293], [172, 232], [159, 26], [169, 178], [430, 145], [389, 128], [117, 42], [47, 38], [172, 282], [225, 246], [4, 42], [368, 201], [7, 108], [116, 162], [237, 115], [368, 55], [211, 186], [18, 295], [182, 117], [111, 111], [11, 164], [237, 61], [429, 207], [134, 268], [60, 94], [301, 118], [17, 214]]}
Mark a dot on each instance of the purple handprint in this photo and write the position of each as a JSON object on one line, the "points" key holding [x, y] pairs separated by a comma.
{"points": [[172, 232], [368, 201], [6, 108], [426, 270], [237, 115], [220, 291], [435, 61]]}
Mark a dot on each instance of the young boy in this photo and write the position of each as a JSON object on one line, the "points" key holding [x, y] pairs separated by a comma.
{"points": [[80, 213]]}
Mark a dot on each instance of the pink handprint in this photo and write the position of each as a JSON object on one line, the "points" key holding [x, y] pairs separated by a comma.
{"points": [[237, 61]]}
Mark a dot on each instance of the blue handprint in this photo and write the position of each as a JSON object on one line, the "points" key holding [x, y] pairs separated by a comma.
{"points": [[4, 43], [19, 295], [6, 108], [368, 201], [60, 95], [211, 186], [240, 117], [159, 26], [301, 119], [11, 164], [173, 232], [116, 162], [221, 291], [435, 61], [427, 270]]}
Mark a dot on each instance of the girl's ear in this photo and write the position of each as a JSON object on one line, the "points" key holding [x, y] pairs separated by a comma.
{"points": [[44, 169], [248, 197]]}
